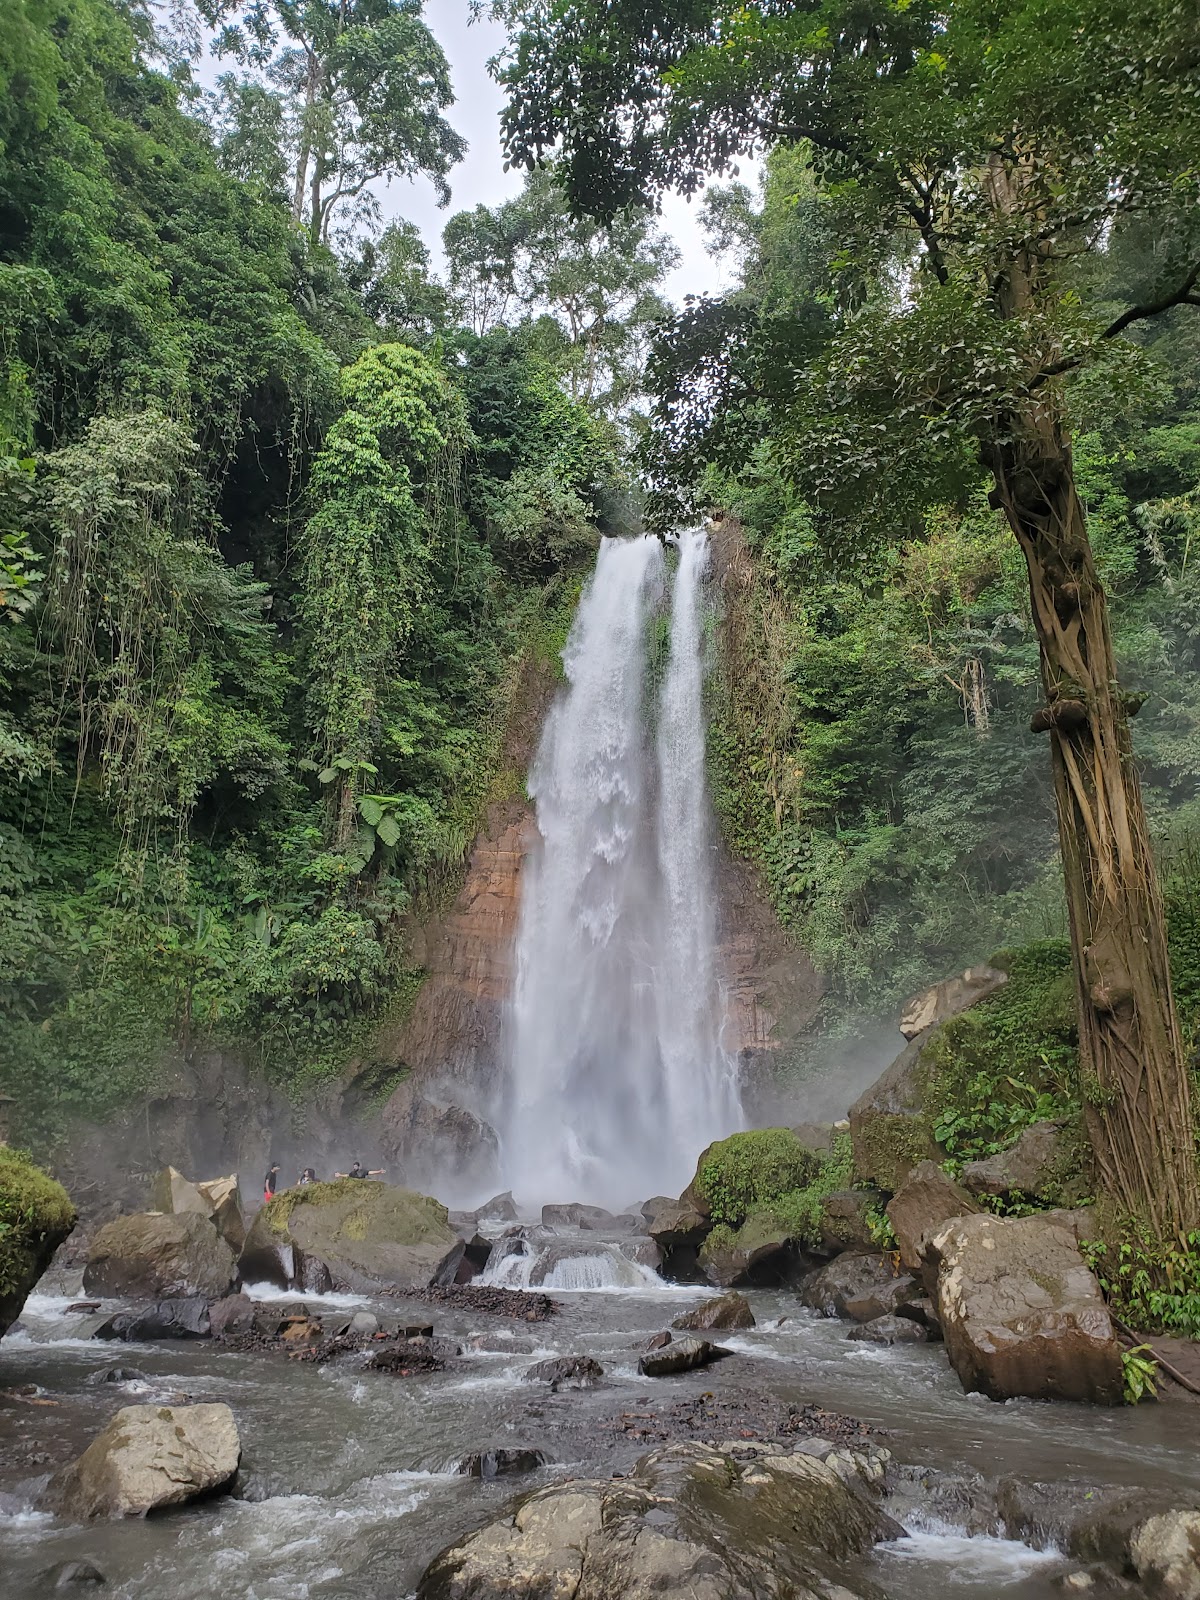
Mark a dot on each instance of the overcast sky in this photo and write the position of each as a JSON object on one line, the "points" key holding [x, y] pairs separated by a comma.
{"points": [[481, 178]]}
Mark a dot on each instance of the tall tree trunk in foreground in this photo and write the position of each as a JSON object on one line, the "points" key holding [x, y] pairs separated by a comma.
{"points": [[1135, 1080]]}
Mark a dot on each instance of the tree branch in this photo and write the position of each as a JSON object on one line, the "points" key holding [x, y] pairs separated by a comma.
{"points": [[1181, 296]]}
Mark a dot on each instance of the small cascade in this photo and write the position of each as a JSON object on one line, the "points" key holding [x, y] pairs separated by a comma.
{"points": [[532, 1258], [618, 1076]]}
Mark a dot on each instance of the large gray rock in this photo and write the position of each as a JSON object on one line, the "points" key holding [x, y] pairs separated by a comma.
{"points": [[363, 1235], [218, 1199], [500, 1208], [566, 1372], [950, 998], [890, 1330], [147, 1458], [927, 1200], [865, 1281], [1021, 1313], [158, 1256], [575, 1215], [681, 1355], [726, 1311], [689, 1521], [1024, 1168], [166, 1319], [1166, 1554]]}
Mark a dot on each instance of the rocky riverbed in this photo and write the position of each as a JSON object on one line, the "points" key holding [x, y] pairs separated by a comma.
{"points": [[349, 1480]]}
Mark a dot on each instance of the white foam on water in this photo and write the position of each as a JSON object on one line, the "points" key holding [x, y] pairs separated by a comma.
{"points": [[270, 1293], [976, 1559], [280, 1548]]}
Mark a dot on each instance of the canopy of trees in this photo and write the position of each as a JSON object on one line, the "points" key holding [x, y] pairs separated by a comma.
{"points": [[988, 180]]}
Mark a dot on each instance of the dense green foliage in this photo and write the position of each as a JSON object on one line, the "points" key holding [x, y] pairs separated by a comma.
{"points": [[274, 561], [749, 1171]]}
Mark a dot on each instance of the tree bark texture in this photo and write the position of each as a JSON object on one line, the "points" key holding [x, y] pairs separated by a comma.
{"points": [[1136, 1085]]}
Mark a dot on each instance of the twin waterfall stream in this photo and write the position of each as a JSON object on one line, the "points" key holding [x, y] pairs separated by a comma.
{"points": [[618, 1077]]}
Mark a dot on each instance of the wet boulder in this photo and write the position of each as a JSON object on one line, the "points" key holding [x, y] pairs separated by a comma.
{"points": [[500, 1344], [681, 1355], [928, 1199], [678, 1226], [882, 1298], [149, 1457], [157, 1256], [566, 1372], [1023, 1169], [762, 1251], [890, 1330], [500, 1463], [651, 1208], [366, 1235], [845, 1280], [1021, 1313], [689, 1520], [231, 1316], [185, 1318], [37, 1215], [1166, 1554], [500, 1208], [726, 1311]]}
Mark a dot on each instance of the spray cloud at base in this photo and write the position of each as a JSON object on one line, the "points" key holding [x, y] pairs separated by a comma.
{"points": [[618, 1076]]}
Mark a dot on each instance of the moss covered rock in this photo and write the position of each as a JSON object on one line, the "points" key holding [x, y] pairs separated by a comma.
{"points": [[368, 1235], [36, 1215], [747, 1172]]}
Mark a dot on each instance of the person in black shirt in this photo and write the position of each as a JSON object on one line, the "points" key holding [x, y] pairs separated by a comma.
{"points": [[271, 1183]]}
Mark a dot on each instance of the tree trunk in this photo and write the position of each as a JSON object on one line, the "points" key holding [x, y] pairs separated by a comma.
{"points": [[1134, 1078]]}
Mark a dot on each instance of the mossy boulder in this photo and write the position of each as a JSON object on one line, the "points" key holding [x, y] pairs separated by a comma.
{"points": [[764, 1251], [890, 1123], [748, 1172], [368, 1235], [36, 1215]]}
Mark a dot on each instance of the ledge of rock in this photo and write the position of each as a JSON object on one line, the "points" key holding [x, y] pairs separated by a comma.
{"points": [[927, 1200], [690, 1520], [147, 1458], [725, 1311]]}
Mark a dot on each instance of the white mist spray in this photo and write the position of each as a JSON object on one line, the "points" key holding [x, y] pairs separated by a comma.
{"points": [[617, 1074]]}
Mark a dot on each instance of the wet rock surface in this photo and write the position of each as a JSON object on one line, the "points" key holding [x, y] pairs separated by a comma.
{"points": [[890, 1330], [725, 1311], [576, 1372], [501, 1463], [681, 1355], [148, 1458], [849, 1279], [167, 1319], [159, 1256], [365, 1235], [1021, 1313], [491, 1300], [689, 1520], [928, 1199]]}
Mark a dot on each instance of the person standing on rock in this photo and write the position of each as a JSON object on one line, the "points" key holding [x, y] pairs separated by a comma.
{"points": [[271, 1183], [359, 1171]]}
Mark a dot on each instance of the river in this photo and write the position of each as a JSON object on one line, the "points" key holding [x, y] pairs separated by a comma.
{"points": [[347, 1488]]}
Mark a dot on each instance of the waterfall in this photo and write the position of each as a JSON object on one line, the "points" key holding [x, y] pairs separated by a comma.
{"points": [[617, 1077]]}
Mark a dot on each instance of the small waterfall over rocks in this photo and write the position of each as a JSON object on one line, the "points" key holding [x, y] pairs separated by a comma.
{"points": [[617, 1073]]}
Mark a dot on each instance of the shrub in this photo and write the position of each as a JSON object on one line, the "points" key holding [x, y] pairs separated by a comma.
{"points": [[750, 1171]]}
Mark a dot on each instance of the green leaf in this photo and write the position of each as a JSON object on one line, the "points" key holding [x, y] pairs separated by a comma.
{"points": [[327, 775], [388, 831], [370, 810]]}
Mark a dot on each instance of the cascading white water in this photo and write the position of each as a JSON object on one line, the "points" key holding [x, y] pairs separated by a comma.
{"points": [[617, 1076]]}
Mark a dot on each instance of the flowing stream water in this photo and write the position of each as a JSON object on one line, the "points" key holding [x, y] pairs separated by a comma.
{"points": [[618, 1079], [618, 1076]]}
